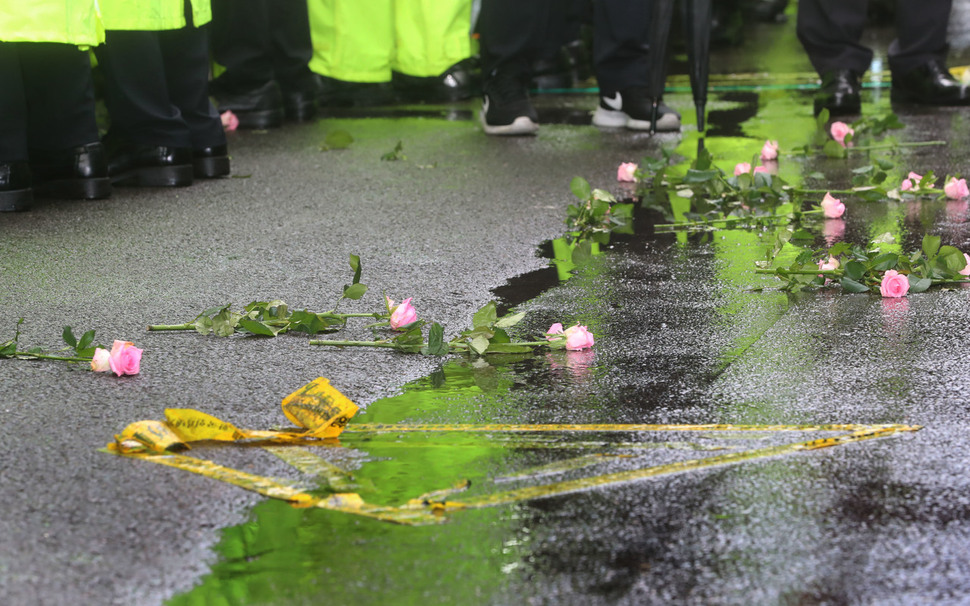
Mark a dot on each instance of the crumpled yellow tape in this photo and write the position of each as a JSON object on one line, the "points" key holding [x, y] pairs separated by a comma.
{"points": [[317, 408]]}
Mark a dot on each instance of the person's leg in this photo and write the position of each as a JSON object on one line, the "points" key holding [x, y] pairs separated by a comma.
{"points": [[15, 192], [917, 58], [149, 141], [510, 34], [67, 159], [830, 31], [242, 43], [433, 45], [186, 58], [622, 62]]}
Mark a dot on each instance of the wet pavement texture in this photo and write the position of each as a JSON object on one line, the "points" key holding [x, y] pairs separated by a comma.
{"points": [[682, 337]]}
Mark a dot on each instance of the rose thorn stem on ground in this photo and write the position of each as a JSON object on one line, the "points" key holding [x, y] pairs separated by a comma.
{"points": [[48, 357]]}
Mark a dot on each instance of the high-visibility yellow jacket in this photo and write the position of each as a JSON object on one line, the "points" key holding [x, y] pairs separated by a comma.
{"points": [[70, 21], [152, 15]]}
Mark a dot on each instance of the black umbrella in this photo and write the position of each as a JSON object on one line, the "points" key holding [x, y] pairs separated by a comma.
{"points": [[663, 14], [697, 17]]}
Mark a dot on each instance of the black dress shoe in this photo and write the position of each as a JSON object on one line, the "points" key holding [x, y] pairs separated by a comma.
{"points": [[300, 97], [259, 108], [456, 83], [77, 173], [210, 162], [929, 84], [150, 165], [343, 93], [15, 191], [839, 93]]}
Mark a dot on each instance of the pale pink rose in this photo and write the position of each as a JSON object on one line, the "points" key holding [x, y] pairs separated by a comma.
{"points": [[625, 172], [124, 358], [230, 121], [906, 185], [403, 314], [771, 166], [554, 331], [578, 337], [100, 362], [894, 284], [966, 270], [956, 189], [839, 132], [829, 265], [832, 208], [741, 167], [769, 151], [761, 169]]}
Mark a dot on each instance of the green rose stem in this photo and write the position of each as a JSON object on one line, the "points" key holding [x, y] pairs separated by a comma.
{"points": [[874, 147], [26, 354], [336, 316], [836, 273], [453, 347], [730, 220]]}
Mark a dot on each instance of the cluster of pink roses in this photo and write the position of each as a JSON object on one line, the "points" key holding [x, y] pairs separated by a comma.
{"points": [[769, 161], [956, 189], [123, 359], [577, 337], [402, 314]]}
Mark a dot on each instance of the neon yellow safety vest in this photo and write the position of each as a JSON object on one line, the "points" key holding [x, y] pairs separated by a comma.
{"points": [[152, 15], [67, 21]]}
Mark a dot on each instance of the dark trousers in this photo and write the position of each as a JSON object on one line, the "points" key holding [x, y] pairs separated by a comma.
{"points": [[512, 33], [261, 40], [831, 30], [46, 99], [157, 88]]}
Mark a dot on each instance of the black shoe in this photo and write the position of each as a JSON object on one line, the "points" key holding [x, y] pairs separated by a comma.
{"points": [[259, 108], [456, 83], [929, 84], [633, 108], [150, 165], [342, 93], [506, 109], [210, 162], [300, 97], [77, 173], [839, 93], [15, 191]]}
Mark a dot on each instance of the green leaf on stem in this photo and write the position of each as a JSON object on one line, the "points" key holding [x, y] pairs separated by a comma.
{"points": [[850, 285], [258, 328], [224, 323], [356, 266], [354, 291], [951, 259], [833, 149], [436, 341], [479, 344], [203, 325], [885, 261], [580, 188], [931, 246], [854, 270], [486, 316], [509, 321], [68, 336], [85, 342], [917, 284]]}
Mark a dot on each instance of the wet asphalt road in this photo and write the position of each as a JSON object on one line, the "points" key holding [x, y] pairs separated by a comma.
{"points": [[681, 338]]}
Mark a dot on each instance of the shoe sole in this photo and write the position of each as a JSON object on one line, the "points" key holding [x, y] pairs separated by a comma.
{"points": [[523, 125], [851, 109], [156, 176], [210, 168], [17, 200], [262, 119], [617, 119], [75, 189]]}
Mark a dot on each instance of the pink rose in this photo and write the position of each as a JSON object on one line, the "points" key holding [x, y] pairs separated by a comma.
{"points": [[761, 169], [230, 121], [839, 132], [907, 185], [829, 265], [625, 172], [124, 358], [741, 167], [956, 189], [578, 337], [554, 330], [769, 151], [894, 284], [832, 208], [100, 361], [403, 314], [966, 270]]}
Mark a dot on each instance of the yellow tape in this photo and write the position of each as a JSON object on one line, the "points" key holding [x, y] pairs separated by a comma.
{"points": [[320, 408]]}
